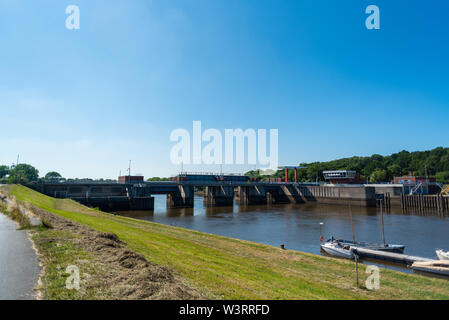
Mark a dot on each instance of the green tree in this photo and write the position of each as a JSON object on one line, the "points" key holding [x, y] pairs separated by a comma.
{"points": [[442, 177], [52, 175], [4, 170], [23, 173], [157, 179], [378, 175]]}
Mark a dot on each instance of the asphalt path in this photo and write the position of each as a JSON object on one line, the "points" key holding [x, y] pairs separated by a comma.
{"points": [[19, 264]]}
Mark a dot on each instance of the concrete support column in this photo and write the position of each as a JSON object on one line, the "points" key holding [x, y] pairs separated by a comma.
{"points": [[218, 196], [182, 198], [249, 195], [242, 195], [142, 203], [292, 194]]}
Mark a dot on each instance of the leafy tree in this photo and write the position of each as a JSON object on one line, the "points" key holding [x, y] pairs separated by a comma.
{"points": [[52, 175], [433, 163], [442, 177], [4, 170], [157, 179], [23, 173], [378, 175]]}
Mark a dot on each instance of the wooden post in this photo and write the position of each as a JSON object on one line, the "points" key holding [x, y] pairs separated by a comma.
{"points": [[402, 201]]}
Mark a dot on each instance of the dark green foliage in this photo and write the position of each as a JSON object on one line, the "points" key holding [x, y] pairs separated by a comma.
{"points": [[377, 168], [23, 173], [52, 176], [442, 177], [157, 179], [4, 170]]}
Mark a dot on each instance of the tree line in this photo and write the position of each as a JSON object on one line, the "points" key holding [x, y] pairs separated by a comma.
{"points": [[377, 168], [24, 173]]}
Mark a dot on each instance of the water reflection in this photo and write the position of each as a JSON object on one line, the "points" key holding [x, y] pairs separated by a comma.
{"points": [[180, 212], [218, 211]]}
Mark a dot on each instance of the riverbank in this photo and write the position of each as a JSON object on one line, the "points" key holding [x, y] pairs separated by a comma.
{"points": [[107, 269], [226, 268]]}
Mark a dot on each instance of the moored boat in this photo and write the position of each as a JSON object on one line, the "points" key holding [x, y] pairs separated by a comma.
{"points": [[338, 250], [442, 255], [396, 248], [440, 267]]}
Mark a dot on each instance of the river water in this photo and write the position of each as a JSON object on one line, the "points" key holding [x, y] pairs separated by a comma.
{"points": [[298, 226]]}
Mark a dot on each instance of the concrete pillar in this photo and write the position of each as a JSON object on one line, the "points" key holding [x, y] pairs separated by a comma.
{"points": [[182, 198], [142, 203], [292, 194], [218, 196], [250, 195]]}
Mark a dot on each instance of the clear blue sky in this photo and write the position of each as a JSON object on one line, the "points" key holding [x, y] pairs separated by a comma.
{"points": [[84, 102]]}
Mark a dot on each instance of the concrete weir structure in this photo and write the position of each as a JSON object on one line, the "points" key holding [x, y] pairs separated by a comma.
{"points": [[219, 190], [357, 195], [106, 197]]}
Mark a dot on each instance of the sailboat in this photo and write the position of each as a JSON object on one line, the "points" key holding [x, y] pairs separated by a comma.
{"points": [[337, 245], [396, 248], [338, 249]]}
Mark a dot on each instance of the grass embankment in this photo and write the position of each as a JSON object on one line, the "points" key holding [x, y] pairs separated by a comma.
{"points": [[107, 269], [234, 269]]}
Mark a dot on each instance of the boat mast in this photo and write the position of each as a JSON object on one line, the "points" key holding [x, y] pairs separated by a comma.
{"points": [[382, 220], [352, 224]]}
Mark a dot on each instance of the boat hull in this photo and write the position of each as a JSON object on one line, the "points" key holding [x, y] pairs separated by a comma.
{"points": [[395, 248], [337, 252], [436, 267], [442, 255]]}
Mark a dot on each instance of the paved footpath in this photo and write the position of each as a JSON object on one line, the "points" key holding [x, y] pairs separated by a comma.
{"points": [[19, 264]]}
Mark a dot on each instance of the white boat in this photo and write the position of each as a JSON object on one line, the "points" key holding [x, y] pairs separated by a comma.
{"points": [[396, 248], [442, 255], [338, 250], [440, 267]]}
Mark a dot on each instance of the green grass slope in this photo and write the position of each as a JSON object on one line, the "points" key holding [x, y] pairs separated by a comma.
{"points": [[227, 268]]}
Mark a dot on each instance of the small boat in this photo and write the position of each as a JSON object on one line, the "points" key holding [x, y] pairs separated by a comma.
{"points": [[440, 267], [442, 255], [396, 248], [338, 250]]}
